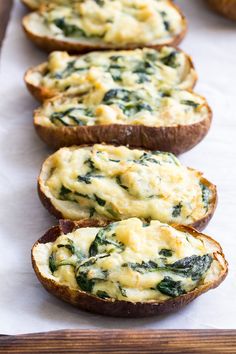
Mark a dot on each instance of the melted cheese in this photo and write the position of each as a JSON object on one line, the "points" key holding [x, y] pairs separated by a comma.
{"points": [[73, 75], [118, 183], [121, 22], [130, 264], [140, 107]]}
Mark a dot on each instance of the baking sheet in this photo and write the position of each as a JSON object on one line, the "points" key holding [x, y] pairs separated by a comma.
{"points": [[24, 305]]}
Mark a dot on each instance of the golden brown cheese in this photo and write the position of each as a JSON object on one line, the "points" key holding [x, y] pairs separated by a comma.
{"points": [[118, 183], [129, 260]]}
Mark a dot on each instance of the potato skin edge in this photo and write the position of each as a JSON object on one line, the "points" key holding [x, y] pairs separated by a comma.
{"points": [[226, 8], [177, 139], [111, 307]]}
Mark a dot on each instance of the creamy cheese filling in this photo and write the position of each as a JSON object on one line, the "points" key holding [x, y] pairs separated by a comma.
{"points": [[118, 183], [145, 106], [129, 260], [113, 22], [73, 75]]}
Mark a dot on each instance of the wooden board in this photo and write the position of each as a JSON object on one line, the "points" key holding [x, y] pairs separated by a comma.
{"points": [[116, 341], [123, 341]]}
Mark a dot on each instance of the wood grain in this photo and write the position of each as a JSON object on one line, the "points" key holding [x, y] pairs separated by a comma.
{"points": [[5, 8], [123, 341]]}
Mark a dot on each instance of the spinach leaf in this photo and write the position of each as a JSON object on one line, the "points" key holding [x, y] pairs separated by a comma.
{"points": [[84, 283], [72, 248], [64, 192], [99, 200], [206, 194], [170, 60], [190, 103], [68, 29], [143, 267], [52, 262], [194, 266], [166, 252], [118, 181], [122, 290], [102, 239], [170, 287], [177, 210], [99, 2], [88, 178], [120, 94], [146, 158], [102, 294]]}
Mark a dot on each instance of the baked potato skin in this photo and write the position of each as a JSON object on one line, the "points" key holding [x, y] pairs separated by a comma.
{"points": [[226, 8], [111, 307], [198, 224], [50, 44], [177, 139]]}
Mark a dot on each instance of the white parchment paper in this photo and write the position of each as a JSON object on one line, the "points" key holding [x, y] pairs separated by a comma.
{"points": [[24, 305]]}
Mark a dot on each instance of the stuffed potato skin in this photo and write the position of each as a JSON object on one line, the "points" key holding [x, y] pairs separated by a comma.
{"points": [[116, 308], [51, 43], [226, 8]]}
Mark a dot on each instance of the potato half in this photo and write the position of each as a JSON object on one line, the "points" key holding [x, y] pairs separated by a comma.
{"points": [[127, 268], [76, 75], [35, 4], [107, 182], [172, 120], [106, 24], [224, 7]]}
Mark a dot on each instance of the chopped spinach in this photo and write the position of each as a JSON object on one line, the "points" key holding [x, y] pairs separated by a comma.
{"points": [[84, 283], [91, 212], [170, 287], [118, 181], [194, 266], [99, 2], [190, 103], [64, 192], [146, 157], [52, 263], [143, 267], [112, 94], [88, 178], [68, 29], [170, 60], [206, 194], [166, 252], [72, 248], [122, 290], [102, 239], [99, 200], [102, 294], [177, 210]]}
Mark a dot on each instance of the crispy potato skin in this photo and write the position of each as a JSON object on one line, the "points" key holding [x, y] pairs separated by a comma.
{"points": [[198, 224], [176, 139], [112, 307], [226, 8], [41, 93], [50, 44]]}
